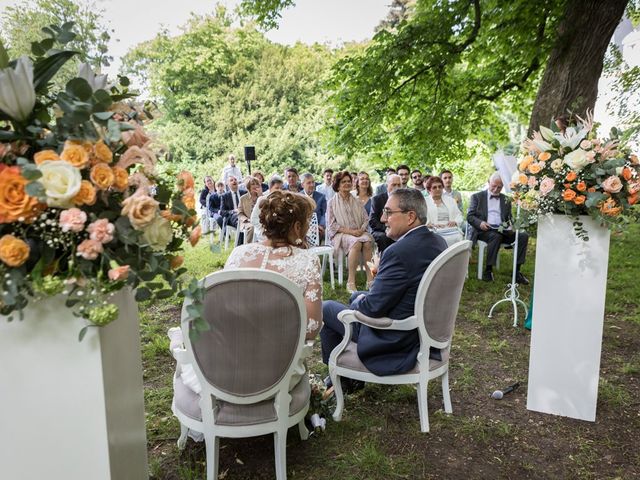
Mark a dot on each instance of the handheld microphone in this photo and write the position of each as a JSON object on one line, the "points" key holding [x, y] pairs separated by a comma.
{"points": [[498, 394]]}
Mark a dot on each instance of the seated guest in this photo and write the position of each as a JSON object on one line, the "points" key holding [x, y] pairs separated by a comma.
{"points": [[363, 190], [378, 229], [247, 202], [309, 189], [209, 187], [274, 184], [260, 176], [393, 293], [215, 202], [488, 211], [447, 180], [230, 203], [416, 179], [285, 220], [326, 188], [382, 188], [347, 224], [291, 180], [443, 216]]}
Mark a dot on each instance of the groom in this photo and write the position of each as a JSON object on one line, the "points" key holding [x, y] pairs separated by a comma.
{"points": [[393, 293]]}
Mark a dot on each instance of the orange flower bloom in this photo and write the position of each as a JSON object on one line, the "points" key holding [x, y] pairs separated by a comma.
{"points": [[176, 262], [634, 159], [15, 204], [523, 179], [535, 168], [544, 156], [121, 179], [591, 189], [172, 217], [45, 155], [610, 208], [185, 180], [13, 250], [627, 173], [571, 176], [194, 238], [86, 195], [75, 154], [102, 153], [579, 200], [632, 199], [102, 176], [581, 186], [568, 195]]}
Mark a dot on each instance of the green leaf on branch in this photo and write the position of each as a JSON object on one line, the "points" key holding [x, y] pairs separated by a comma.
{"points": [[79, 88], [36, 189], [45, 69], [142, 294], [31, 172]]}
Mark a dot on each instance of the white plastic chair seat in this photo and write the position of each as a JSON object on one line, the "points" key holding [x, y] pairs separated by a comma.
{"points": [[325, 251], [482, 245], [229, 230]]}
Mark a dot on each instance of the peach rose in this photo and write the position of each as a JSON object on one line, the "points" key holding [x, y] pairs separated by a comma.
{"points": [[581, 186], [86, 195], [579, 200], [634, 159], [141, 210], [176, 262], [89, 249], [194, 238], [102, 176], [585, 144], [118, 273], [591, 189], [135, 138], [523, 179], [185, 180], [546, 186], [571, 176], [525, 162], [102, 153], [610, 208], [101, 230], [75, 154], [44, 155], [72, 220], [134, 155], [568, 195], [13, 250], [544, 156], [121, 179], [612, 184], [15, 204], [535, 168]]}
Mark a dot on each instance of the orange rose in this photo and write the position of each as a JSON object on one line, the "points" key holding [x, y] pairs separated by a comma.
{"points": [[141, 210], [579, 200], [633, 187], [568, 195], [15, 204], [45, 155], [523, 179], [172, 217], [571, 176], [535, 168], [581, 186], [176, 262], [627, 173], [194, 238], [591, 189], [191, 221], [13, 250], [633, 199], [185, 180], [75, 154], [189, 201], [102, 153], [525, 162], [610, 208], [102, 176], [544, 156], [121, 179], [86, 195]]}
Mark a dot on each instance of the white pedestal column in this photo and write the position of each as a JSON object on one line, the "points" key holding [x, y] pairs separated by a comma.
{"points": [[68, 409], [568, 314]]}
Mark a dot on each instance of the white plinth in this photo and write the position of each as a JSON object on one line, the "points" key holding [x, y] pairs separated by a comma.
{"points": [[568, 314], [71, 410]]}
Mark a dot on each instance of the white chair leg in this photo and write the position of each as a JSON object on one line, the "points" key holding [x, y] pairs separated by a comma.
{"points": [[333, 286], [280, 447], [480, 258], [446, 395], [182, 441], [226, 238], [337, 388], [212, 446], [302, 428], [340, 266], [423, 408]]}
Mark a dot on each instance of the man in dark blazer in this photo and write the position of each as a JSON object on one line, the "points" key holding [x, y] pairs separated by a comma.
{"points": [[378, 202], [230, 202], [393, 293], [309, 189], [489, 214], [215, 202]]}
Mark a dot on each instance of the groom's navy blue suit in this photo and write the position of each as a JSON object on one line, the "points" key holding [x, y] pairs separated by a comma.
{"points": [[393, 295]]}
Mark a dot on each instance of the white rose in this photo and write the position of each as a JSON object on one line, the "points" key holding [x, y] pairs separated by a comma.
{"points": [[576, 159], [61, 182], [158, 233], [556, 165]]}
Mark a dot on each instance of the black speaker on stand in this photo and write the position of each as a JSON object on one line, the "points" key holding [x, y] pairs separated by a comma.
{"points": [[249, 156]]}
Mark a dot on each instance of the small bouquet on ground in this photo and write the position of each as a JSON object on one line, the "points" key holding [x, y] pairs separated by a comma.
{"points": [[82, 210], [570, 171], [321, 405]]}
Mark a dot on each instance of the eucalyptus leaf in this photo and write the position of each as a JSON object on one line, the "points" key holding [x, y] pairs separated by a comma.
{"points": [[31, 172], [142, 294], [79, 88], [36, 189]]}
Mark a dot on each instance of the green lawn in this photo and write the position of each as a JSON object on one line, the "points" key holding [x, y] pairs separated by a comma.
{"points": [[379, 436]]}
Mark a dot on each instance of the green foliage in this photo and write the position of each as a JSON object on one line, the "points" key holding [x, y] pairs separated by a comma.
{"points": [[265, 12], [221, 88]]}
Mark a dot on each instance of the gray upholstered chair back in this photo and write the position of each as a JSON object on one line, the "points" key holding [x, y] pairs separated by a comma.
{"points": [[445, 276], [255, 331]]}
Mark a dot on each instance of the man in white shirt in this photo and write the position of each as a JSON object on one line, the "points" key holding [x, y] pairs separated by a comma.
{"points": [[230, 170], [447, 179], [490, 216], [327, 187]]}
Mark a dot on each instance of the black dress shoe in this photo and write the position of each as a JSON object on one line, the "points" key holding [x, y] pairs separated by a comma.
{"points": [[487, 276], [521, 279], [349, 385]]}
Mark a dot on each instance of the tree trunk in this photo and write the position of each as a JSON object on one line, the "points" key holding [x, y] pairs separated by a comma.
{"points": [[570, 81]]}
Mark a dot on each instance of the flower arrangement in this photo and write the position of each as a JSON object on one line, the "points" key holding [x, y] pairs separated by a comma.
{"points": [[570, 171], [83, 211]]}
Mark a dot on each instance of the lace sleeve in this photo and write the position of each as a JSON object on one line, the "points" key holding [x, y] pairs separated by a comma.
{"points": [[313, 298], [233, 261]]}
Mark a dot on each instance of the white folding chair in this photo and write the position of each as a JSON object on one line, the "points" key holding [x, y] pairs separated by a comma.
{"points": [[325, 251]]}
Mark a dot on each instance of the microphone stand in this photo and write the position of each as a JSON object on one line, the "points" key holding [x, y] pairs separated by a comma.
{"points": [[512, 294]]}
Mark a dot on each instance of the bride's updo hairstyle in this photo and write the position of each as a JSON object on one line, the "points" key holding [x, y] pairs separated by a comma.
{"points": [[280, 211]]}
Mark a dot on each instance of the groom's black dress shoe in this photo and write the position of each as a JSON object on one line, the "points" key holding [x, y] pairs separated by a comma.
{"points": [[521, 279], [487, 276]]}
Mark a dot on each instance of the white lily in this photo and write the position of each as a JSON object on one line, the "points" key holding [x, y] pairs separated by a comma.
{"points": [[17, 95], [97, 82], [572, 137], [547, 133]]}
